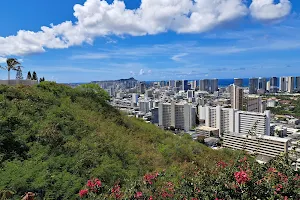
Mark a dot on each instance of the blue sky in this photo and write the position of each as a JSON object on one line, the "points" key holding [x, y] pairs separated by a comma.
{"points": [[152, 39]]}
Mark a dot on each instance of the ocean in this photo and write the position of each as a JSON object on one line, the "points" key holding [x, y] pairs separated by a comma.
{"points": [[222, 82]]}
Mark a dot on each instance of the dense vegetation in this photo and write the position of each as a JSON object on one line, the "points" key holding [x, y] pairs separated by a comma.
{"points": [[53, 138]]}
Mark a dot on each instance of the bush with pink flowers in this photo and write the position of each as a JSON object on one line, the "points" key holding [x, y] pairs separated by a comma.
{"points": [[243, 178]]}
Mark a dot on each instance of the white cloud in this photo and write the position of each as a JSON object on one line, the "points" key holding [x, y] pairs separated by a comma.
{"points": [[268, 10], [90, 56], [2, 60], [142, 72], [97, 18], [179, 57]]}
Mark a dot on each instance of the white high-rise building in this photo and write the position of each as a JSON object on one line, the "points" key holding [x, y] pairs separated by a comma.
{"points": [[145, 105], [236, 97], [283, 84], [268, 86], [290, 84], [135, 98], [245, 121], [178, 115], [232, 120], [218, 117]]}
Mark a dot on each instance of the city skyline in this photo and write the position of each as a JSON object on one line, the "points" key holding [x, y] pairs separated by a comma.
{"points": [[239, 41]]}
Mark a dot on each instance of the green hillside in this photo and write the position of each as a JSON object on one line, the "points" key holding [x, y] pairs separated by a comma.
{"points": [[53, 138]]}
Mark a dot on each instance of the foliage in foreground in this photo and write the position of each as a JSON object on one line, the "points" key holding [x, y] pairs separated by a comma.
{"points": [[239, 179], [53, 138]]}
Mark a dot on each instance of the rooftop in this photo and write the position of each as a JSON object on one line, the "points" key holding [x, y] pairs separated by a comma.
{"points": [[206, 128], [266, 137]]}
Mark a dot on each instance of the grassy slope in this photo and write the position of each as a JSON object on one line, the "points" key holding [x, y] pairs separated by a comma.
{"points": [[53, 138]]}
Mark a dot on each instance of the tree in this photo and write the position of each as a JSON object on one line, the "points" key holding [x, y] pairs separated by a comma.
{"points": [[29, 77], [34, 76], [42, 79], [11, 65], [19, 75]]}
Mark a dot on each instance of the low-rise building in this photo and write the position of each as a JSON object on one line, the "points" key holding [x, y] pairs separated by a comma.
{"points": [[259, 144]]}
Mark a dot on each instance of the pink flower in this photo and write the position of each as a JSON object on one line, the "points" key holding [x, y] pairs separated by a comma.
{"points": [[150, 198], [90, 184], [97, 182], [241, 177], [271, 169], [278, 187], [148, 178], [222, 164], [82, 193], [138, 195]]}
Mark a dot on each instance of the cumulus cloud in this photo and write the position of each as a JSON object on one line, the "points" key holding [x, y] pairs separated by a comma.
{"points": [[267, 10], [142, 72], [97, 18]]}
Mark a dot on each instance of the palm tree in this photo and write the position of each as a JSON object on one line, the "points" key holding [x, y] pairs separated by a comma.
{"points": [[11, 65]]}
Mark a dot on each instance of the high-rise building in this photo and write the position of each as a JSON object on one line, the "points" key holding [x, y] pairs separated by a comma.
{"points": [[218, 117], [178, 84], [141, 88], [145, 105], [238, 82], [262, 83], [178, 115], [194, 85], [290, 84], [245, 121], [214, 85], [190, 94], [204, 85], [256, 104], [268, 86], [154, 117], [298, 84], [283, 84], [236, 97], [135, 99], [273, 85], [185, 85], [231, 120], [162, 83], [253, 85], [172, 83]]}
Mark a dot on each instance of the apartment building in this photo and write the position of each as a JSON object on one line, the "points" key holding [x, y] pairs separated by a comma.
{"points": [[178, 115], [256, 104], [283, 84], [231, 120], [236, 97], [245, 121], [260, 144], [253, 85], [290, 84], [218, 117]]}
